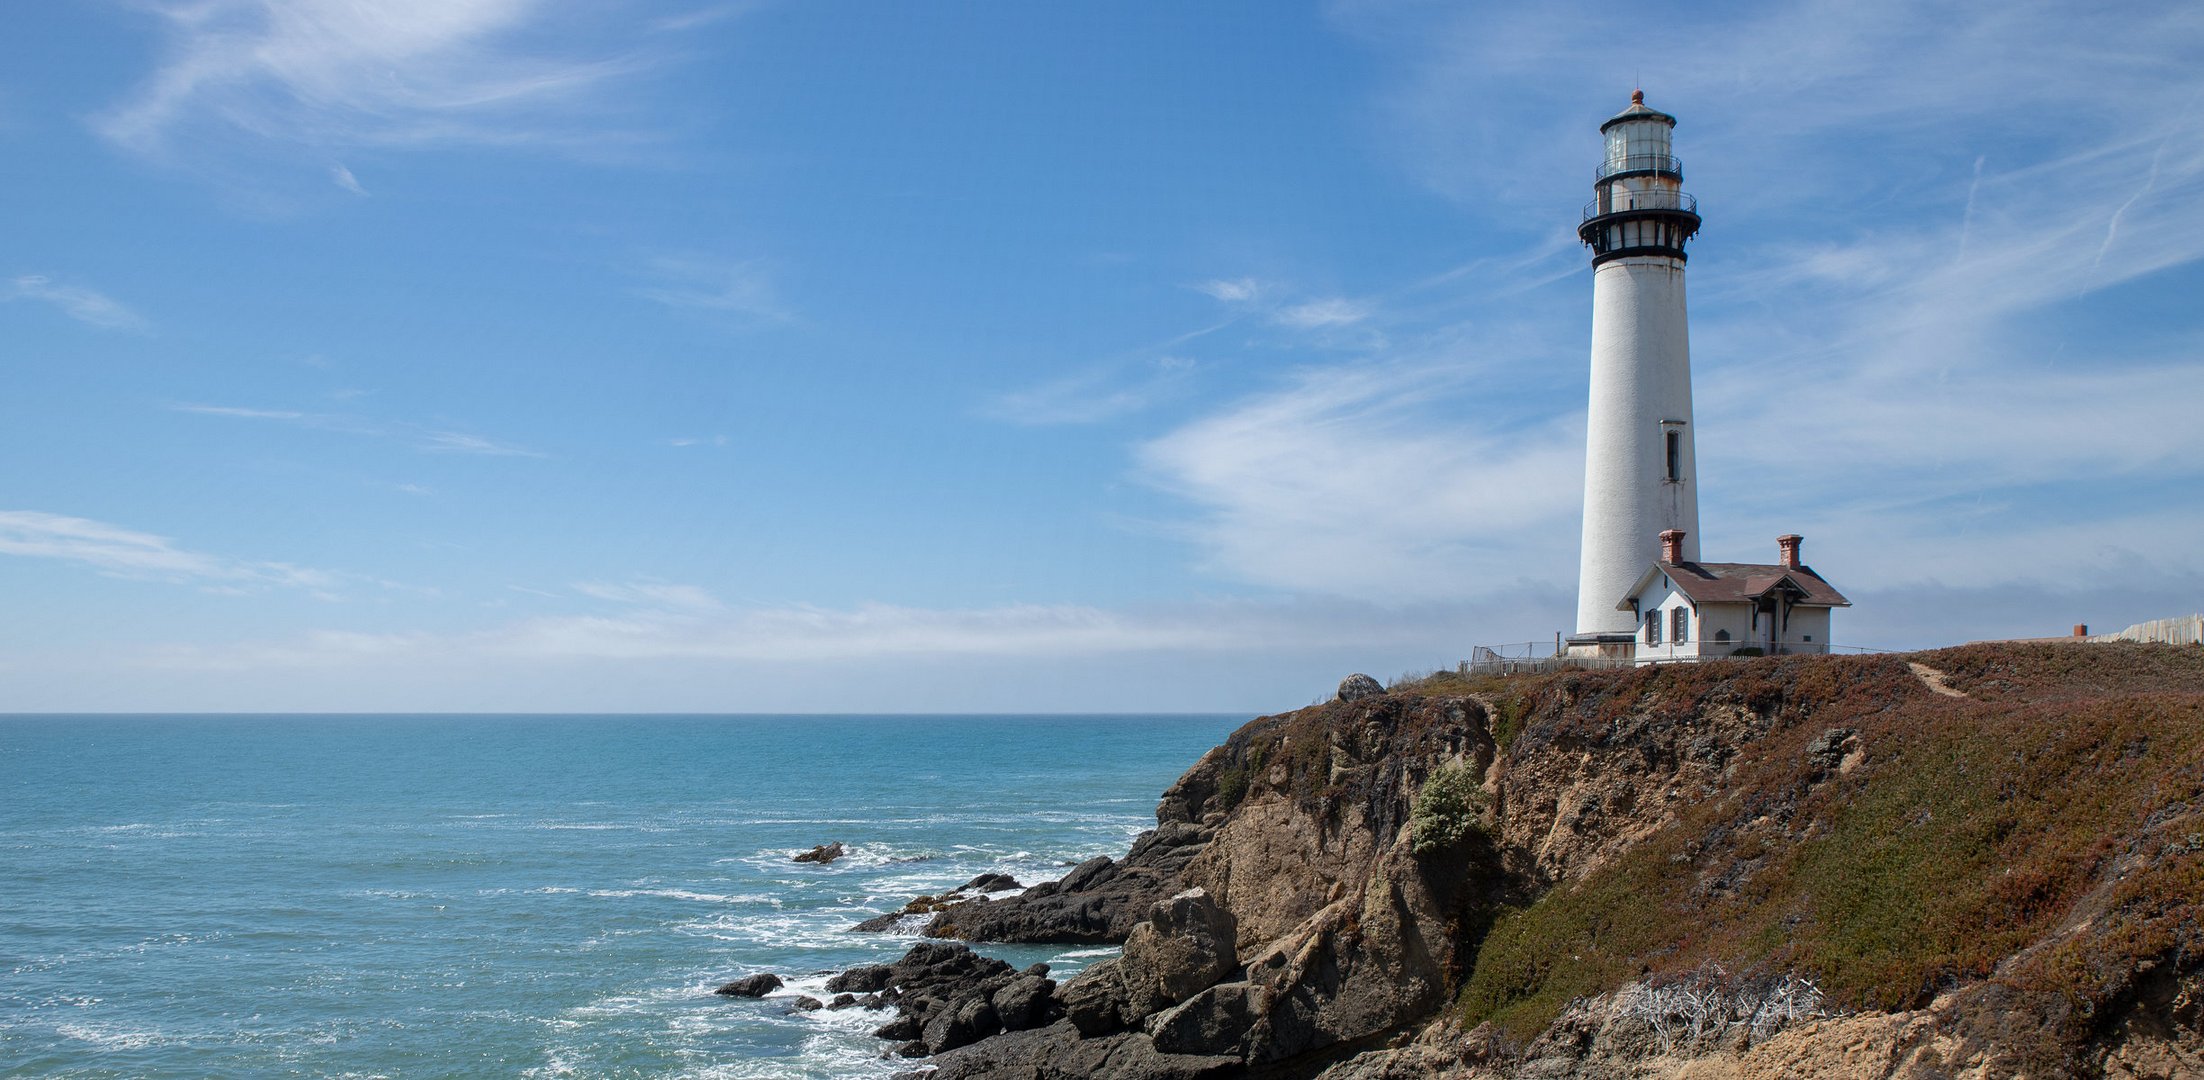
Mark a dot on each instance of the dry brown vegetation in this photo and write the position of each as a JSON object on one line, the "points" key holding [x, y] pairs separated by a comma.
{"points": [[2039, 842]]}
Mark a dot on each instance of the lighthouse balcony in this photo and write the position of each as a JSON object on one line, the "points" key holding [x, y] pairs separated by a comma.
{"points": [[1667, 165], [1632, 202]]}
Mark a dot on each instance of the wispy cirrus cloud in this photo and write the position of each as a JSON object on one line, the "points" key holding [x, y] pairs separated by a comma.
{"points": [[1094, 395], [740, 288], [420, 437], [652, 594], [85, 305], [121, 552], [372, 73], [1328, 321]]}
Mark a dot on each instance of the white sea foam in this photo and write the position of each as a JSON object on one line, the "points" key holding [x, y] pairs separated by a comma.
{"points": [[686, 894], [108, 1038]]}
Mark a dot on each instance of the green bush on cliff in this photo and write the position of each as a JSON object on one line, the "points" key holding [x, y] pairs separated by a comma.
{"points": [[1447, 811]]}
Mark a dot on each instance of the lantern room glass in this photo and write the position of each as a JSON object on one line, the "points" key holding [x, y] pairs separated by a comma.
{"points": [[1638, 144]]}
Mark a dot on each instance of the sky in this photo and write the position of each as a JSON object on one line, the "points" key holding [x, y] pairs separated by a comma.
{"points": [[511, 355]]}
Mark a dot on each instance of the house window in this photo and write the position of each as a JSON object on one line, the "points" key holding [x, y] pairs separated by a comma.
{"points": [[1721, 637], [1675, 456], [1680, 625], [1653, 627]]}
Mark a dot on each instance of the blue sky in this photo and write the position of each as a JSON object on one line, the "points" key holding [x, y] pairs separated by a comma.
{"points": [[498, 354]]}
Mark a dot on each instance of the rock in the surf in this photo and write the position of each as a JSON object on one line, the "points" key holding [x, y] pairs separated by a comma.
{"points": [[824, 853]]}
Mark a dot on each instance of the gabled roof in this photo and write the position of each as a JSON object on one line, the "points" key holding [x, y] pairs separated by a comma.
{"points": [[1739, 583]]}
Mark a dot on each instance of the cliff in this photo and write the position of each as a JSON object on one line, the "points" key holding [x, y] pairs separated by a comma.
{"points": [[1983, 861]]}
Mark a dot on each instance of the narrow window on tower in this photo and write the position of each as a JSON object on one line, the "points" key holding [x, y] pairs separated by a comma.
{"points": [[1675, 456]]}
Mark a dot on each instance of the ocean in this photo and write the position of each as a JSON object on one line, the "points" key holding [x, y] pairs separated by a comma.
{"points": [[527, 896]]}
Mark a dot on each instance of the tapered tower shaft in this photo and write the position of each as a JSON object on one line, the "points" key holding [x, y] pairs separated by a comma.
{"points": [[1640, 472]]}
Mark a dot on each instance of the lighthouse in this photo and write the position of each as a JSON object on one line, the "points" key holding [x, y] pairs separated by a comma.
{"points": [[1641, 476]]}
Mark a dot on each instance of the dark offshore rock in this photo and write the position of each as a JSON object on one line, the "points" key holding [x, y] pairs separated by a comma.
{"points": [[948, 996], [751, 986], [916, 915], [807, 1003], [1097, 902], [842, 1001], [868, 979], [1357, 686], [824, 853]]}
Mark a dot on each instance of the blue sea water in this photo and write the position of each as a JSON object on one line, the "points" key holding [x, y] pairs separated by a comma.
{"points": [[533, 896]]}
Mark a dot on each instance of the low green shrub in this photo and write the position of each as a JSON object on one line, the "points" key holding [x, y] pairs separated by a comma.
{"points": [[1448, 810]]}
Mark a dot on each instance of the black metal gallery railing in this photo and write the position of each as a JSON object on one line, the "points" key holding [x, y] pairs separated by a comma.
{"points": [[1625, 201], [1668, 164]]}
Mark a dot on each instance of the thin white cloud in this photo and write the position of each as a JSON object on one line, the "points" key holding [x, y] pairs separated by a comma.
{"points": [[652, 594], [1095, 395], [741, 288], [427, 439], [121, 552], [387, 73], [1233, 291], [459, 442], [88, 306], [1327, 312], [343, 178], [1321, 317], [697, 440]]}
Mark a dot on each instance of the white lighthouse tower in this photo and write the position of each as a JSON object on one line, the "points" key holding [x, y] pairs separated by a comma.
{"points": [[1640, 475]]}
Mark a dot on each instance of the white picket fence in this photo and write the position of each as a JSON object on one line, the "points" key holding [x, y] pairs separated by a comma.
{"points": [[2185, 630]]}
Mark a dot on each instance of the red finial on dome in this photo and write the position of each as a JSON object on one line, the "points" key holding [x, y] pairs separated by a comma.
{"points": [[1637, 97]]}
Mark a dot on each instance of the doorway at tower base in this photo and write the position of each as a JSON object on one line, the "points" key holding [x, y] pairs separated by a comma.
{"points": [[1618, 647]]}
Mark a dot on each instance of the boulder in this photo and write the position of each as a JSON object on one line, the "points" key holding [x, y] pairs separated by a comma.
{"points": [[824, 853], [1024, 1003], [1214, 1021], [1188, 944], [962, 1023], [1094, 1001], [807, 1003], [753, 986], [842, 1001], [1358, 686]]}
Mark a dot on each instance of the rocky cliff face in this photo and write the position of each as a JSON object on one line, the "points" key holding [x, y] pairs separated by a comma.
{"points": [[1980, 862]]}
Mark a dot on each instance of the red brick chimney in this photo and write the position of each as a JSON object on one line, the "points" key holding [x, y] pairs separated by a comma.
{"points": [[2081, 629], [1672, 545], [1789, 543]]}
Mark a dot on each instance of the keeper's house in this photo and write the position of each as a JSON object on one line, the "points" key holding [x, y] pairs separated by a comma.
{"points": [[1693, 610]]}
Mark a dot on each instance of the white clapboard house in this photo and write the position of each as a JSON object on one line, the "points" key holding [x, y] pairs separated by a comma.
{"points": [[1688, 610]]}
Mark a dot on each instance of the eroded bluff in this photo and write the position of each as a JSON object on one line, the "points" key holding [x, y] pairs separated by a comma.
{"points": [[1973, 863], [1278, 911]]}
